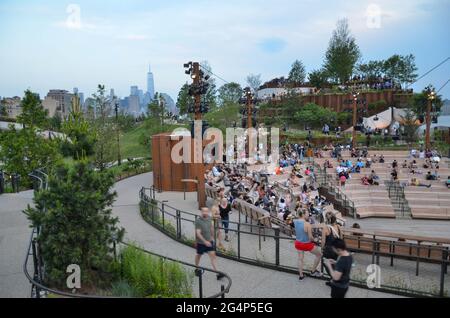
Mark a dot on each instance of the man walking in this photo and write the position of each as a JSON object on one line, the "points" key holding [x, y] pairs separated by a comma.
{"points": [[340, 274], [204, 233]]}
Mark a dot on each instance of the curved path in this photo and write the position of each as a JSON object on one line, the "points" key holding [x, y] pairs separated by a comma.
{"points": [[248, 281]]}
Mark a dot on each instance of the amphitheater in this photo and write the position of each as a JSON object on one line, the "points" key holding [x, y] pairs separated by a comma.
{"points": [[405, 230]]}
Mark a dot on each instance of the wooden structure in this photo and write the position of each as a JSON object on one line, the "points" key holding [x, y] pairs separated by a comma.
{"points": [[167, 175]]}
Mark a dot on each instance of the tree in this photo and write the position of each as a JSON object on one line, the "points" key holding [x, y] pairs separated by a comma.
{"points": [[419, 104], [105, 147], [372, 69], [254, 82], [184, 100], [315, 116], [3, 110], [408, 70], [290, 105], [318, 78], [25, 150], [297, 74], [33, 114], [410, 126], [76, 222], [157, 109], [229, 93], [342, 54]]}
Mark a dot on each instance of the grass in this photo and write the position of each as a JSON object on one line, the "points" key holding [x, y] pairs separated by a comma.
{"points": [[136, 143]]}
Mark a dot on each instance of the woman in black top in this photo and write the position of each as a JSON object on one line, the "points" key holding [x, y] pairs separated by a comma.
{"points": [[340, 274], [225, 209]]}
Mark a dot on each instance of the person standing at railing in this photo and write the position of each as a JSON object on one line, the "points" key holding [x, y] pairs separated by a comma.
{"points": [[305, 243], [225, 210], [204, 234]]}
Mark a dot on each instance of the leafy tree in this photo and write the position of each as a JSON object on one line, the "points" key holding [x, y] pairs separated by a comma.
{"points": [[372, 69], [33, 114], [157, 109], [76, 222], [342, 54], [184, 100], [105, 148], [229, 93], [297, 74], [254, 82], [25, 150], [79, 142], [290, 105], [55, 122], [410, 126], [419, 103], [3, 111], [318, 78], [401, 68], [314, 116]]}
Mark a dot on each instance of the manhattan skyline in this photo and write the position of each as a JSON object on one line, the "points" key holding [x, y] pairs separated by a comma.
{"points": [[112, 43]]}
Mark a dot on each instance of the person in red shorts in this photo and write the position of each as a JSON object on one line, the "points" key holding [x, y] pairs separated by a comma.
{"points": [[305, 243]]}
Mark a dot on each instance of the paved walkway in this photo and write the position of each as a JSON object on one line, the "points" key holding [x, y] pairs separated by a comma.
{"points": [[248, 281], [14, 237]]}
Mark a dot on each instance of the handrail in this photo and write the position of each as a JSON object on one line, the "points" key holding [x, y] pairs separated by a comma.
{"points": [[152, 205], [39, 286]]}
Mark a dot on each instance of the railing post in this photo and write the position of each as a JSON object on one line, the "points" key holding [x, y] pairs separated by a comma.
{"points": [[200, 283], [277, 247], [239, 240], [443, 271], [178, 225]]}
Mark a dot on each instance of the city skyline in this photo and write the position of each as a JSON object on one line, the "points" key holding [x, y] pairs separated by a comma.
{"points": [[114, 44]]}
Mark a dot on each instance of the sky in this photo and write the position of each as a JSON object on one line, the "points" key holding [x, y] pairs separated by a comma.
{"points": [[64, 44]]}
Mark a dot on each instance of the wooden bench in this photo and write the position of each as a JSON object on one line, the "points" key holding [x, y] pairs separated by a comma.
{"points": [[211, 192], [415, 248]]}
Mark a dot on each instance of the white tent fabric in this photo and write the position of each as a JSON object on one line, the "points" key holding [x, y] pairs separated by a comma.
{"points": [[442, 124], [384, 119]]}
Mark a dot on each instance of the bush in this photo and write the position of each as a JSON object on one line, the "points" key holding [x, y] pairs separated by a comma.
{"points": [[150, 276]]}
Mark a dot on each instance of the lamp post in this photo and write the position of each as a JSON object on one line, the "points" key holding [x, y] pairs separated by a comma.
{"points": [[431, 96], [355, 95], [116, 109], [198, 88]]}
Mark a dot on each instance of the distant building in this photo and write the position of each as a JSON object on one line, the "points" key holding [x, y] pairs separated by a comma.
{"points": [[50, 105], [134, 107], [170, 104], [64, 99], [150, 83], [134, 91], [12, 106], [445, 109]]}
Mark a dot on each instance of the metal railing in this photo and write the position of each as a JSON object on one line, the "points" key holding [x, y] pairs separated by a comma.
{"points": [[397, 194], [37, 278], [249, 239]]}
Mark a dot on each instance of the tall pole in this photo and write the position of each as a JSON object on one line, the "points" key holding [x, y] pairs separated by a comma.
{"points": [[428, 132], [119, 159], [201, 195], [431, 95], [355, 110]]}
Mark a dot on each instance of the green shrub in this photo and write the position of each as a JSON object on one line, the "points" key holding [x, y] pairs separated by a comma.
{"points": [[150, 276]]}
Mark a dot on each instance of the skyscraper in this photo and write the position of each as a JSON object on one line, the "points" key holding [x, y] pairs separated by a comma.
{"points": [[150, 83]]}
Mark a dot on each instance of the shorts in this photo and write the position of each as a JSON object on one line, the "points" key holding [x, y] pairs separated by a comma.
{"points": [[304, 247], [202, 249]]}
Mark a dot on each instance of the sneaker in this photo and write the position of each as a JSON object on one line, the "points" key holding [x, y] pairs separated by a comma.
{"points": [[220, 276], [301, 278], [328, 284], [316, 274]]}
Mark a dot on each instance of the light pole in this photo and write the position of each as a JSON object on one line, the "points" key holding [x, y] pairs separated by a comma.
{"points": [[355, 95], [431, 96], [198, 88], [116, 108]]}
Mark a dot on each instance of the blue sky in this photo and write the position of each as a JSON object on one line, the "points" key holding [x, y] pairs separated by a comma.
{"points": [[43, 45]]}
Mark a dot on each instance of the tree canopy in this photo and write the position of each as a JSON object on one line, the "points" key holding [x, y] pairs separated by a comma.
{"points": [[297, 74], [342, 54]]}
